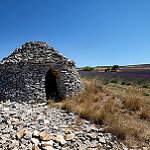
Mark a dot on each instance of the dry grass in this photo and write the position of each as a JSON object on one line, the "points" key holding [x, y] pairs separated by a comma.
{"points": [[124, 112]]}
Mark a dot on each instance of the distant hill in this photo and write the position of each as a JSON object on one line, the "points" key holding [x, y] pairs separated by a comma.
{"points": [[127, 66], [137, 66]]}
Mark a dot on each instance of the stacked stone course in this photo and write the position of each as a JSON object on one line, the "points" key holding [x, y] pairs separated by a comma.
{"points": [[22, 74]]}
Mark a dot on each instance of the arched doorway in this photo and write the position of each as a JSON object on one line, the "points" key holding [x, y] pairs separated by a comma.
{"points": [[51, 86]]}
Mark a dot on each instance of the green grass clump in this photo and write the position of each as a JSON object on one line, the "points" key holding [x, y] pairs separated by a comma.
{"points": [[114, 81], [128, 83], [123, 83], [145, 85]]}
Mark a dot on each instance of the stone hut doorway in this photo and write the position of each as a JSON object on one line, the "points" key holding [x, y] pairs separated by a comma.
{"points": [[51, 86]]}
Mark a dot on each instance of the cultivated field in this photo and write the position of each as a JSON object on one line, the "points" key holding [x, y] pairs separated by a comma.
{"points": [[118, 101]]}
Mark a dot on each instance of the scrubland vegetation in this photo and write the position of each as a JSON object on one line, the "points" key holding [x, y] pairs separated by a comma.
{"points": [[120, 106]]}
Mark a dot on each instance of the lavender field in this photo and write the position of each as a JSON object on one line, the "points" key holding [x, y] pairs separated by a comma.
{"points": [[132, 75]]}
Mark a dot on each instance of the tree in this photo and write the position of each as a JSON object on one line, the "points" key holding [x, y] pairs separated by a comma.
{"points": [[114, 67], [107, 69]]}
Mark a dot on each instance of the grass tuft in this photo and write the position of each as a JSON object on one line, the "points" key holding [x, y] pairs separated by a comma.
{"points": [[133, 101]]}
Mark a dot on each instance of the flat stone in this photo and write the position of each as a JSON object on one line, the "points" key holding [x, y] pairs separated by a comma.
{"points": [[92, 135], [36, 148], [36, 133], [43, 134], [46, 138], [7, 103], [28, 135], [46, 143], [69, 137], [82, 147], [35, 141], [48, 148], [6, 109], [102, 140], [21, 133], [60, 139], [46, 121], [67, 130], [13, 145], [38, 118]]}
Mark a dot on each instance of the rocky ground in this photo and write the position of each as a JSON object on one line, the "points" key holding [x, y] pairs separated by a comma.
{"points": [[25, 127]]}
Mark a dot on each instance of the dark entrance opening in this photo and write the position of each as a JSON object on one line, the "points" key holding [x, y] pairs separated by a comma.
{"points": [[51, 86]]}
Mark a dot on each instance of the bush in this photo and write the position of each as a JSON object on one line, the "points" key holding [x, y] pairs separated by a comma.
{"points": [[105, 81], [88, 68], [123, 82], [128, 83], [114, 81], [139, 82], [114, 67], [145, 94], [145, 85], [107, 69]]}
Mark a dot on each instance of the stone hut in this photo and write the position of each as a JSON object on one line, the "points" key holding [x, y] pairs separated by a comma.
{"points": [[36, 72]]}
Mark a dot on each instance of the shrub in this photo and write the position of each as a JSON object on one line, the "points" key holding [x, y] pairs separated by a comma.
{"points": [[128, 83], [114, 67], [107, 69], [145, 94], [114, 81], [123, 82], [139, 82], [105, 81], [145, 85], [88, 68]]}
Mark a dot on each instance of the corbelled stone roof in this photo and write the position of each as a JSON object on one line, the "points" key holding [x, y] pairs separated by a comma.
{"points": [[36, 52]]}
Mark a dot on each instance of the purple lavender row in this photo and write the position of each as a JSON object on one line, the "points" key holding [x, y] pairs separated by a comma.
{"points": [[127, 76]]}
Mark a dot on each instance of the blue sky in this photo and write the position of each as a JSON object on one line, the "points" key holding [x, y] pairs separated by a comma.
{"points": [[90, 32]]}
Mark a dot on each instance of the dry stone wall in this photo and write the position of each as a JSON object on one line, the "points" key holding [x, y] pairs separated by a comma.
{"points": [[22, 74]]}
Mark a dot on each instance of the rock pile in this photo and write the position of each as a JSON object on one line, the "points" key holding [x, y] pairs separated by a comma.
{"points": [[26, 126]]}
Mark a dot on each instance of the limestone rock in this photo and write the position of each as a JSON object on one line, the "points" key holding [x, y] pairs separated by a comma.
{"points": [[43, 134], [46, 121], [21, 133], [67, 130], [69, 137], [28, 135], [47, 143], [48, 148], [35, 141], [36, 133], [60, 139], [36, 148], [102, 140]]}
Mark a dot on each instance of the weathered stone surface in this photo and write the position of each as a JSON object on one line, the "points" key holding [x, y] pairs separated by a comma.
{"points": [[23, 74]]}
